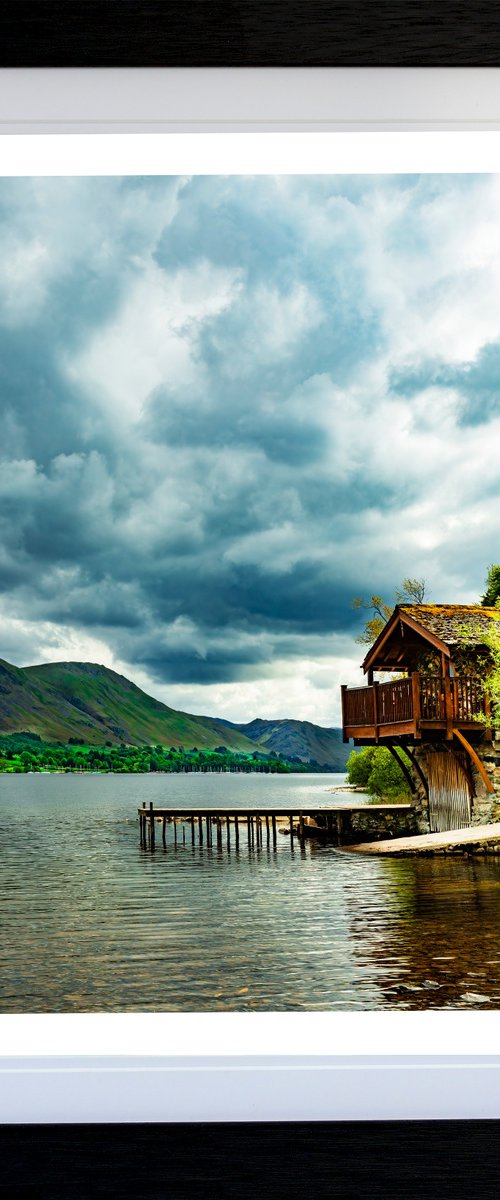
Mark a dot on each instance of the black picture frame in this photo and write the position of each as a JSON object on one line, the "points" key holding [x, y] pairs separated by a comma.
{"points": [[384, 1159], [249, 33]]}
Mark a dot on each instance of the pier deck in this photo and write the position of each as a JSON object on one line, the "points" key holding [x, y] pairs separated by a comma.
{"points": [[476, 839], [204, 822]]}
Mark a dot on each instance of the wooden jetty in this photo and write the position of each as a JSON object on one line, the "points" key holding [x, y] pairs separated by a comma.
{"points": [[225, 825]]}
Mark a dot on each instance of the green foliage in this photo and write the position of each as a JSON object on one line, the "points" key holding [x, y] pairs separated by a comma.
{"points": [[492, 593], [23, 753], [375, 769], [412, 591], [490, 672], [359, 765]]}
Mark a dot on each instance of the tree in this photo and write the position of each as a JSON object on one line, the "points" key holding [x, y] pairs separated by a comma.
{"points": [[359, 765], [492, 593], [412, 591], [375, 769]]}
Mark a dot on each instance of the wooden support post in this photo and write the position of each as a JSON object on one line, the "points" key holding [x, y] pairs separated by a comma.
{"points": [[219, 833], [267, 828], [343, 689], [164, 831], [274, 830], [301, 829], [448, 707], [209, 830], [236, 831], [151, 826], [192, 831], [249, 831], [200, 829], [175, 830], [416, 699], [228, 828], [329, 825], [376, 710], [340, 828], [291, 831]]}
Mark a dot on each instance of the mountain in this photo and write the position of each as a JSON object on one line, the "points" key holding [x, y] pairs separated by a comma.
{"points": [[64, 700], [59, 701], [298, 739]]}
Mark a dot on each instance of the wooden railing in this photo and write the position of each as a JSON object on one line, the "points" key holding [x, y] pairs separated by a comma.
{"points": [[468, 697], [359, 706], [432, 701], [424, 698], [395, 702]]}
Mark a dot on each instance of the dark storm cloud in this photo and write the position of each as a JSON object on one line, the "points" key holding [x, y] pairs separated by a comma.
{"points": [[477, 384], [202, 460]]}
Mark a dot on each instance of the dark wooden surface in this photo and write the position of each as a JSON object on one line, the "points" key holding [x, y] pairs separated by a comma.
{"points": [[439, 1160], [249, 33]]}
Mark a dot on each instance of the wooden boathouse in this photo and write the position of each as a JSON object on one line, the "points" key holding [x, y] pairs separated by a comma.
{"points": [[436, 709]]}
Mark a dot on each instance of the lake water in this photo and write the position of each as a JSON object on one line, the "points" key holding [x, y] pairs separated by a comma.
{"points": [[93, 923]]}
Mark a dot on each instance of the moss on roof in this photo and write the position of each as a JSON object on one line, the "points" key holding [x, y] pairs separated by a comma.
{"points": [[453, 622]]}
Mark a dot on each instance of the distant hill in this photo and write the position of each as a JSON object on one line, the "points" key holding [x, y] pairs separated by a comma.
{"points": [[59, 701], [298, 739]]}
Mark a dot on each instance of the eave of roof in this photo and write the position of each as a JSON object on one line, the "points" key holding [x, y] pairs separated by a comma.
{"points": [[442, 625]]}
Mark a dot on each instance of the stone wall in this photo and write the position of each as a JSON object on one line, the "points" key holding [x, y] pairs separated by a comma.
{"points": [[486, 807], [375, 823]]}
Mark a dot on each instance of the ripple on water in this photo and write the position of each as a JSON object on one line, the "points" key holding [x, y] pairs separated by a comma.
{"points": [[90, 922]]}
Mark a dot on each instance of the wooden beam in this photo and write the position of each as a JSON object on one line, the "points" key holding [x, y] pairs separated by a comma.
{"points": [[416, 766], [404, 769], [416, 692], [476, 760], [448, 707]]}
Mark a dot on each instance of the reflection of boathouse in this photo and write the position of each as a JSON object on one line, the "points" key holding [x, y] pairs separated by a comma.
{"points": [[433, 710]]}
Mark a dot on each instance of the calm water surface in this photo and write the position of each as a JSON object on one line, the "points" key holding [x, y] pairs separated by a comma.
{"points": [[92, 923]]}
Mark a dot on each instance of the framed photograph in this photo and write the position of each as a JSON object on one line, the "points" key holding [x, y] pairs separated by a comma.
{"points": [[249, 762]]}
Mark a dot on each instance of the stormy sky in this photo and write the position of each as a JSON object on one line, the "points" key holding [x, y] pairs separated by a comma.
{"points": [[229, 405]]}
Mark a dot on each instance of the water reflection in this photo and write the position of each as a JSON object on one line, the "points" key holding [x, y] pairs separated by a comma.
{"points": [[92, 922]]}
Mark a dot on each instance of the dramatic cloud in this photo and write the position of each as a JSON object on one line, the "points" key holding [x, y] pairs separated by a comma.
{"points": [[228, 405]]}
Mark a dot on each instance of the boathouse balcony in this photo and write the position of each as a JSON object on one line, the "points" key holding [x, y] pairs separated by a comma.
{"points": [[430, 706]]}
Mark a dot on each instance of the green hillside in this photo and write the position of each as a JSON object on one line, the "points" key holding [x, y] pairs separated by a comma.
{"points": [[59, 701], [72, 700]]}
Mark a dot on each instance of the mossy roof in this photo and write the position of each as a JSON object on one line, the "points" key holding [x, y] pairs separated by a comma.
{"points": [[453, 622]]}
